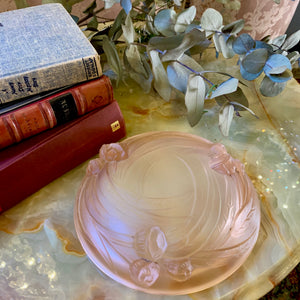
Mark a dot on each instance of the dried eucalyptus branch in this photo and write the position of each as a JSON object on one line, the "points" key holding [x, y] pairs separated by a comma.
{"points": [[161, 40], [170, 37]]}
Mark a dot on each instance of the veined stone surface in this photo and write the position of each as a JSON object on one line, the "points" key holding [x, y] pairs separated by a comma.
{"points": [[40, 254]]}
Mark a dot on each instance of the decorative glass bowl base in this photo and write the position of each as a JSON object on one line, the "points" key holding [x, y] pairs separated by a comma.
{"points": [[167, 213]]}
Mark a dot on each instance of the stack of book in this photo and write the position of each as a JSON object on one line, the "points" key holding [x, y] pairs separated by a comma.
{"points": [[56, 106]]}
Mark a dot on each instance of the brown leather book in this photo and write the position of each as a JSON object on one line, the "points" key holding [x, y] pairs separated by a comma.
{"points": [[58, 108], [28, 166]]}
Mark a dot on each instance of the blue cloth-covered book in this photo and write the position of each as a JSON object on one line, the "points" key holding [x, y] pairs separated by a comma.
{"points": [[41, 49]]}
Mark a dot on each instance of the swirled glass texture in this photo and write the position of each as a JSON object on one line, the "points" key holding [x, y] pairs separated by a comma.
{"points": [[167, 213]]}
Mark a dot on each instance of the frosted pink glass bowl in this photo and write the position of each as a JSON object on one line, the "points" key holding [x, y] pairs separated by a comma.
{"points": [[167, 213]]}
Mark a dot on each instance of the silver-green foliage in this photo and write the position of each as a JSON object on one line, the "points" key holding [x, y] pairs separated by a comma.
{"points": [[271, 58], [161, 40]]}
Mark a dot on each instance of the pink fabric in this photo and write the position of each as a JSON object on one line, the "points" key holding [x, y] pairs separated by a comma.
{"points": [[262, 17], [78, 8]]}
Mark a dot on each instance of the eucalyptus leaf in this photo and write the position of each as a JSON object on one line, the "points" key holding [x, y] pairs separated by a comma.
{"points": [[200, 47], [230, 41], [145, 82], [190, 39], [97, 36], [194, 98], [184, 19], [126, 5], [243, 44], [269, 88], [128, 30], [164, 21], [225, 118], [224, 46], [217, 42], [134, 59], [211, 20], [277, 70], [226, 87], [292, 40], [100, 33], [151, 8], [193, 25], [150, 25], [236, 97], [278, 41], [278, 62], [178, 76], [239, 106], [247, 75], [191, 63], [179, 72], [96, 39], [264, 45], [114, 32], [255, 61], [281, 77], [166, 43], [113, 59], [92, 24], [293, 57], [234, 27], [161, 82], [266, 39]]}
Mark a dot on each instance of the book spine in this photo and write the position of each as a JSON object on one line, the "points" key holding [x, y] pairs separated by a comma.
{"points": [[28, 166], [48, 78], [54, 110]]}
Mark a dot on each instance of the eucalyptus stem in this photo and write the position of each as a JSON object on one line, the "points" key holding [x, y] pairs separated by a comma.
{"points": [[278, 47], [139, 44], [222, 73], [197, 73], [139, 9], [105, 19]]}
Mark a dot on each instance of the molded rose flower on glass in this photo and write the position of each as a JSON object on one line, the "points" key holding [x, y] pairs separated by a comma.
{"points": [[222, 162], [144, 272], [112, 152], [108, 153], [179, 270], [151, 243], [94, 167]]}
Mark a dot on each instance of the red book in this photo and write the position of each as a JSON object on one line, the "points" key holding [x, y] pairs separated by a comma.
{"points": [[59, 108], [28, 166]]}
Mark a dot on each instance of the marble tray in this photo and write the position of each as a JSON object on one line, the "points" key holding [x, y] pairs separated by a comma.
{"points": [[42, 258]]}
